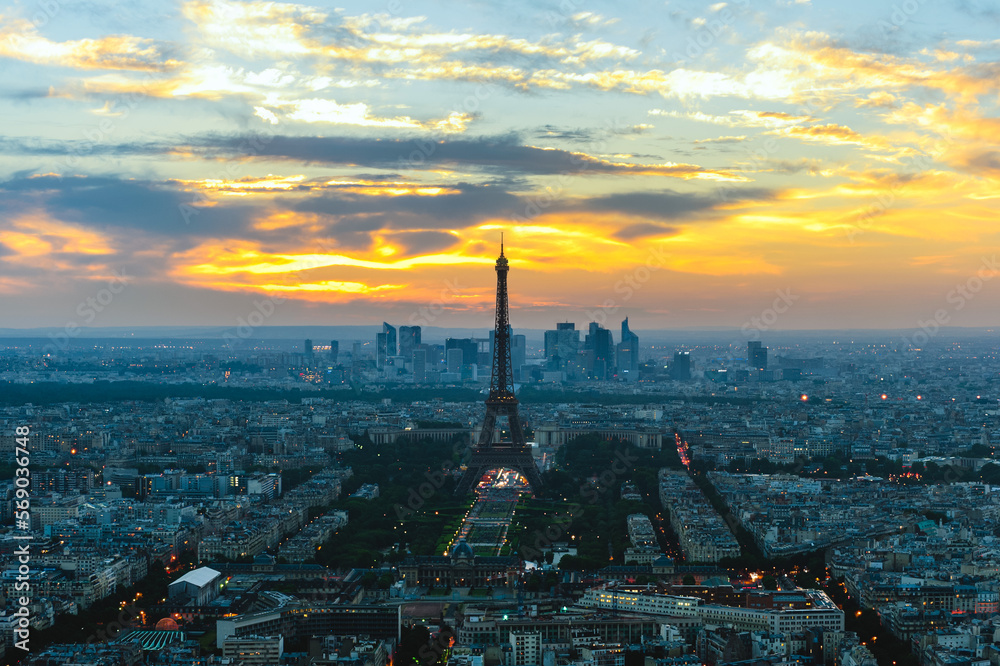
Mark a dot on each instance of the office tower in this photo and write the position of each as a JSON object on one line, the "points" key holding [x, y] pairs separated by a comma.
{"points": [[628, 354], [681, 367], [409, 338], [390, 339], [561, 345], [600, 341], [309, 348], [484, 351], [419, 366], [334, 351], [756, 355], [435, 355], [381, 349], [469, 347], [518, 354], [454, 360]]}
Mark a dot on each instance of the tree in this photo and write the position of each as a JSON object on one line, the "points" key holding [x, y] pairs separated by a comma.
{"points": [[770, 582], [688, 580], [990, 473], [413, 638]]}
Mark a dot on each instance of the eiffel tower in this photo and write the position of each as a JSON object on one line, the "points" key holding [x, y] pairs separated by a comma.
{"points": [[487, 454]]}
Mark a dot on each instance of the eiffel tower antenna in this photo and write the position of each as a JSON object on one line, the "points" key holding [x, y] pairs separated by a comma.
{"points": [[501, 401]]}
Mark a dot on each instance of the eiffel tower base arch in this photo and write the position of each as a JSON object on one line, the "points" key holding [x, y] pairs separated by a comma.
{"points": [[482, 461]]}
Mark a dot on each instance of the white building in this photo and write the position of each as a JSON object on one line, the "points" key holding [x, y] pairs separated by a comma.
{"points": [[201, 585], [526, 648], [821, 612]]}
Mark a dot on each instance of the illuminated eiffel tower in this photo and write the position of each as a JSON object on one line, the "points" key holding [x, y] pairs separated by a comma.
{"points": [[515, 454]]}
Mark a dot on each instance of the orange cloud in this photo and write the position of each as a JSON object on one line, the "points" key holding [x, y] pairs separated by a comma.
{"points": [[34, 235], [35, 242], [268, 185], [832, 134], [21, 40]]}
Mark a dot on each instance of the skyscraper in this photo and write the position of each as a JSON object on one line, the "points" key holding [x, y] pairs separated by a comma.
{"points": [[628, 354], [600, 341], [756, 355], [309, 348], [561, 345], [469, 347], [419, 366], [390, 339], [518, 354], [453, 358], [681, 367], [409, 338], [334, 351], [380, 350]]}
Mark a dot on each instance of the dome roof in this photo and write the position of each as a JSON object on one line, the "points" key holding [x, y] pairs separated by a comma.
{"points": [[167, 624], [462, 549]]}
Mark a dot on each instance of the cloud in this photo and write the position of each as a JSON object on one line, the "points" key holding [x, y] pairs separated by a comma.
{"points": [[20, 40], [252, 29], [723, 139], [814, 167], [502, 154], [831, 133], [354, 211], [644, 230], [878, 99], [315, 233], [739, 118], [113, 205], [498, 154], [359, 114], [255, 28], [462, 205], [668, 205], [579, 135]]}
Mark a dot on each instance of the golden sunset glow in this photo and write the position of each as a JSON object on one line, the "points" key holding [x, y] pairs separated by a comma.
{"points": [[680, 169]]}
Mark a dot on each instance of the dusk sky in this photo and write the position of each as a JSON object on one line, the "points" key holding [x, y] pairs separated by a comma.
{"points": [[361, 160]]}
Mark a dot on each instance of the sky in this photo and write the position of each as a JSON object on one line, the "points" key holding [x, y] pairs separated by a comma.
{"points": [[779, 164]]}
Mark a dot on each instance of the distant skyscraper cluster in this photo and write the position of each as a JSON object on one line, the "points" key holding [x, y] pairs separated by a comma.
{"points": [[597, 358], [399, 354], [388, 345]]}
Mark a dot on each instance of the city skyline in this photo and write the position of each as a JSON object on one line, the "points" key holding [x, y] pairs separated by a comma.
{"points": [[683, 165]]}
